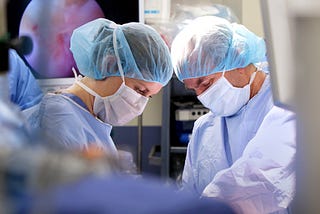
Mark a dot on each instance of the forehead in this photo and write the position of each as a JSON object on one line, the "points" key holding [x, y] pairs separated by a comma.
{"points": [[153, 87]]}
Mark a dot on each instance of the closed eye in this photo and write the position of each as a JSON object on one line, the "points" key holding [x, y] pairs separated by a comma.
{"points": [[143, 92], [206, 83]]}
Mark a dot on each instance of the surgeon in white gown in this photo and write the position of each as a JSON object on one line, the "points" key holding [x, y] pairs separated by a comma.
{"points": [[243, 150]]}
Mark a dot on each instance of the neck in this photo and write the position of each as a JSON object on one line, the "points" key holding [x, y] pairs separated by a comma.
{"points": [[257, 83], [87, 98]]}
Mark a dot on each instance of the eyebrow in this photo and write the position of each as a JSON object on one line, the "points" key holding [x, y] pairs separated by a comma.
{"points": [[197, 83]]}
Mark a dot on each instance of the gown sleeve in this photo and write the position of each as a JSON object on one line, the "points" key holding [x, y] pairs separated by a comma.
{"points": [[23, 87]]}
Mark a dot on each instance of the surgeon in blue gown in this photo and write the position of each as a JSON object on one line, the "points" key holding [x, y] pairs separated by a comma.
{"points": [[24, 89], [18, 90], [243, 150], [121, 66]]}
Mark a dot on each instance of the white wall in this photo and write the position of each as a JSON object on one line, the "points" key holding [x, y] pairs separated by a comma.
{"points": [[251, 16]]}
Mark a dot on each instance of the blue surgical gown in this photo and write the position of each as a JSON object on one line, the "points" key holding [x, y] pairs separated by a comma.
{"points": [[113, 194], [23, 87], [246, 159], [64, 119]]}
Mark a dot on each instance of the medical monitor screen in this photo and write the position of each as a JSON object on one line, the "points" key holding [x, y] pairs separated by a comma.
{"points": [[50, 23]]}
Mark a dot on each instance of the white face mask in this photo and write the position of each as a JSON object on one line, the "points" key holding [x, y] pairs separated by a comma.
{"points": [[223, 99], [121, 107]]}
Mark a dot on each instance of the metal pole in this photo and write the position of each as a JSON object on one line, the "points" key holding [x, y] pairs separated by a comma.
{"points": [[139, 152], [165, 132]]}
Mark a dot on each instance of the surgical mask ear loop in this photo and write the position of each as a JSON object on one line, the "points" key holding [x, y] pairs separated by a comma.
{"points": [[77, 77], [223, 72], [253, 75], [117, 53]]}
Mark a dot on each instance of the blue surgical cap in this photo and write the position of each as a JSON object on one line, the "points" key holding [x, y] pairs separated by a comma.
{"points": [[141, 51], [210, 44]]}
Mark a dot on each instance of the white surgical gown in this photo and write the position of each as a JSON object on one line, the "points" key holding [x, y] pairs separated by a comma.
{"points": [[64, 119], [246, 159]]}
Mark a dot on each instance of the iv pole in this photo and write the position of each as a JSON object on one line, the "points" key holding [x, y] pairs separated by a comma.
{"points": [[139, 152]]}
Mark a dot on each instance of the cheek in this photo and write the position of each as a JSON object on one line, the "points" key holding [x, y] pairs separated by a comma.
{"points": [[200, 91], [154, 88]]}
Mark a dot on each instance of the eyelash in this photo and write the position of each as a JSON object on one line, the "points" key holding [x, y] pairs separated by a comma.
{"points": [[206, 83], [142, 92]]}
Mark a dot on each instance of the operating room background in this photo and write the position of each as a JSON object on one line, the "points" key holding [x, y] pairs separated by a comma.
{"points": [[127, 137], [249, 13]]}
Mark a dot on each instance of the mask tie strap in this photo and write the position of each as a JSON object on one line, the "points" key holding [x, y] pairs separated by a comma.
{"points": [[76, 77], [253, 75], [78, 82], [223, 72]]}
